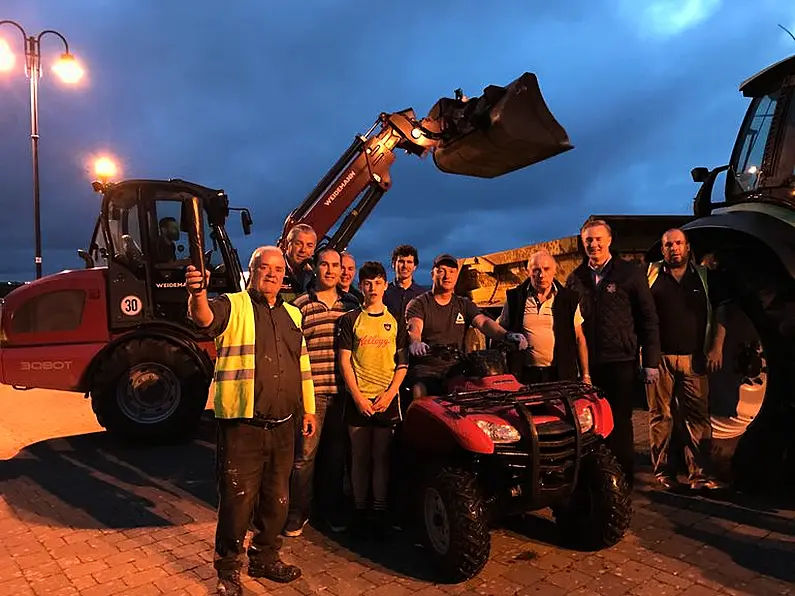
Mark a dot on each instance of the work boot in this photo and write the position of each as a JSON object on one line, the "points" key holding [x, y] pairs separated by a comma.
{"points": [[294, 528], [276, 571], [229, 584], [704, 484]]}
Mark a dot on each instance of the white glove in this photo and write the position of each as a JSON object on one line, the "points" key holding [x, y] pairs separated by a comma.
{"points": [[418, 348], [517, 338]]}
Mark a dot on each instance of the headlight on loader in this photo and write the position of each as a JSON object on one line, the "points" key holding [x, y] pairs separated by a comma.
{"points": [[586, 419], [499, 432]]}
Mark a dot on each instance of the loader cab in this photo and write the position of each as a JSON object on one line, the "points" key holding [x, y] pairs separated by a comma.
{"points": [[148, 232]]}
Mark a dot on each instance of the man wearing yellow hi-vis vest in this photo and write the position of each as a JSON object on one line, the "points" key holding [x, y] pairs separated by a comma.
{"points": [[691, 342], [263, 388]]}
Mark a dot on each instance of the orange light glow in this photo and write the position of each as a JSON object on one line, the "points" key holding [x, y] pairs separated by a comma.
{"points": [[7, 58], [105, 168], [68, 69]]}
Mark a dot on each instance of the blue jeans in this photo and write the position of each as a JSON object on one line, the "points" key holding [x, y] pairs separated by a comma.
{"points": [[327, 446]]}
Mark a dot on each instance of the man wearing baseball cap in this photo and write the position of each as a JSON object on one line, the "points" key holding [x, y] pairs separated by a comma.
{"points": [[439, 317]]}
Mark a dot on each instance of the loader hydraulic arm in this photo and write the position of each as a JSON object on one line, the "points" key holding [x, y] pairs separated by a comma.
{"points": [[361, 173], [503, 130]]}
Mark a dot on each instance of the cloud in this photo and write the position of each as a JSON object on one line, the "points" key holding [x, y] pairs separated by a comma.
{"points": [[260, 99]]}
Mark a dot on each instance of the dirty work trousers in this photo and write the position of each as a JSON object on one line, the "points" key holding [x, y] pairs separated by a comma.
{"points": [[252, 463], [617, 381], [678, 400], [328, 448]]}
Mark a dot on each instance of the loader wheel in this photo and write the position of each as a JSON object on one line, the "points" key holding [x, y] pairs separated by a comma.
{"points": [[454, 524], [599, 512], [149, 390]]}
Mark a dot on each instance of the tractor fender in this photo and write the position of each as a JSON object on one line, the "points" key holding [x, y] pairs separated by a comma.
{"points": [[170, 333], [771, 225]]}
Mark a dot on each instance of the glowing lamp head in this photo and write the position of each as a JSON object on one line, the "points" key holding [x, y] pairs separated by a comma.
{"points": [[68, 69], [105, 168], [7, 58]]}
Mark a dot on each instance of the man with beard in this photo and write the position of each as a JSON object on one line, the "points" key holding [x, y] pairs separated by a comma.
{"points": [[691, 342], [619, 317], [301, 243], [441, 318], [403, 288], [321, 306], [263, 381], [168, 235]]}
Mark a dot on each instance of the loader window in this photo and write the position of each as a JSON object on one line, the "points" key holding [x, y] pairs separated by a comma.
{"points": [[61, 310], [750, 149]]}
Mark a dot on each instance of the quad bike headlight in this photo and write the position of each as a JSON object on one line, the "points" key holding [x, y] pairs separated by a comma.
{"points": [[499, 432], [586, 419]]}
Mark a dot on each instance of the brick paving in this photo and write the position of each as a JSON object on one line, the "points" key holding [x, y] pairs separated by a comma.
{"points": [[82, 515]]}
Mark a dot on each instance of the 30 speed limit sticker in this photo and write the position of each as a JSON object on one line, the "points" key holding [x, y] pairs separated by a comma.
{"points": [[131, 305]]}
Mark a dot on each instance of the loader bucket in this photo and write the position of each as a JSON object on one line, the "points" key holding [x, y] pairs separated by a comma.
{"points": [[503, 130]]}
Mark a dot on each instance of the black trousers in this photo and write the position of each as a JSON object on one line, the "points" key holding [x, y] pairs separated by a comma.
{"points": [[617, 381], [253, 465], [538, 374]]}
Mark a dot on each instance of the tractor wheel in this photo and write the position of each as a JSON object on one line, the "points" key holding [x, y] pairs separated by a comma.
{"points": [[598, 513], [751, 399], [149, 390], [454, 525]]}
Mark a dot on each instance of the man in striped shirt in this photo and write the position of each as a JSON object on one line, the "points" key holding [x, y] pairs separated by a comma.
{"points": [[320, 307]]}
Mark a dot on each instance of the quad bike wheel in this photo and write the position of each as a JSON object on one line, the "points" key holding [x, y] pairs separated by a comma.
{"points": [[599, 512], [454, 525], [149, 389]]}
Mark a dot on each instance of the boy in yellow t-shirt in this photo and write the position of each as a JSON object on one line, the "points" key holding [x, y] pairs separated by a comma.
{"points": [[373, 361]]}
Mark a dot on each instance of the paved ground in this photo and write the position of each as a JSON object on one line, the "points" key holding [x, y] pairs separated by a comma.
{"points": [[82, 515]]}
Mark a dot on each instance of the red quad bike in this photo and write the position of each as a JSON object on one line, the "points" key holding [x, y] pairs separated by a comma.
{"points": [[493, 448]]}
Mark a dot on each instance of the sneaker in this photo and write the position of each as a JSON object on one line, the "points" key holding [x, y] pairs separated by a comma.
{"points": [[229, 584], [338, 525], [277, 571], [294, 529], [704, 484], [665, 481]]}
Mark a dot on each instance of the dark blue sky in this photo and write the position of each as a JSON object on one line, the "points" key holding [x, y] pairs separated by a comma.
{"points": [[260, 99]]}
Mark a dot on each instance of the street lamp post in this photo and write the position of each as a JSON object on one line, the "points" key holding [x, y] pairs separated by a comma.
{"points": [[69, 71]]}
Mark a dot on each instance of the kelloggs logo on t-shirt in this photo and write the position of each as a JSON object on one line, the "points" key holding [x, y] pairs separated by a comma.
{"points": [[374, 340]]}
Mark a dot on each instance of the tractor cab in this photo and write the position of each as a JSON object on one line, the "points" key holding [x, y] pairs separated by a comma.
{"points": [[762, 164], [147, 233]]}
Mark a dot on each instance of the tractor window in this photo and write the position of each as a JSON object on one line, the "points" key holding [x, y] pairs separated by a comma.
{"points": [[57, 311], [752, 141], [169, 244], [125, 233]]}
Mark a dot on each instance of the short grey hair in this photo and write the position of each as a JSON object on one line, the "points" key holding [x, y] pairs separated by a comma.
{"points": [[540, 253], [256, 256], [301, 228]]}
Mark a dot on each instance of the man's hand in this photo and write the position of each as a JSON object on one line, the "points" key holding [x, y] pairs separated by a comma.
{"points": [[364, 405], [651, 375], [309, 425], [715, 359], [517, 338], [383, 401], [193, 280], [419, 348], [586, 378]]}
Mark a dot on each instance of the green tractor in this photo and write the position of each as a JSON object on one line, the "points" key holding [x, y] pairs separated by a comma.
{"points": [[748, 237]]}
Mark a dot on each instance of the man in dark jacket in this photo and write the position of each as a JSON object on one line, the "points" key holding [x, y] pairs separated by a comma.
{"points": [[619, 320], [549, 316]]}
